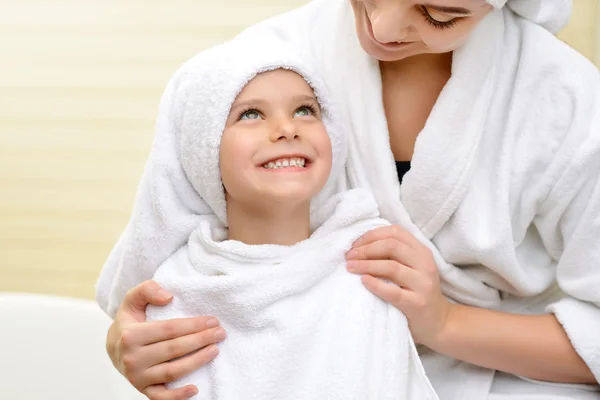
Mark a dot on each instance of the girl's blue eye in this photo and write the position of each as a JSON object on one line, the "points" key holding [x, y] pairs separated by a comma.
{"points": [[303, 112], [250, 114]]}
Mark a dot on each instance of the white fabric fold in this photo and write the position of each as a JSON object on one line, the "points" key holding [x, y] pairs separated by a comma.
{"points": [[299, 325], [551, 14]]}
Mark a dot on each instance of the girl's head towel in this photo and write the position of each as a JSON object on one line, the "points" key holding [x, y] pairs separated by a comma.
{"points": [[205, 101], [182, 180]]}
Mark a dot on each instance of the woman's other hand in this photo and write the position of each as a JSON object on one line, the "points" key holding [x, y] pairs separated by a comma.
{"points": [[145, 352], [396, 267]]}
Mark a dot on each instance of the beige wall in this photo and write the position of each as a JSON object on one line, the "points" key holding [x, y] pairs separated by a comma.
{"points": [[582, 33], [79, 87]]}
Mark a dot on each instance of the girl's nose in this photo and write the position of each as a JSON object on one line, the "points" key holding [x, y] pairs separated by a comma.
{"points": [[284, 129]]}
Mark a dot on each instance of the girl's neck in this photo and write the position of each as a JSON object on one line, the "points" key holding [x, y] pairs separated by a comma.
{"points": [[268, 224]]}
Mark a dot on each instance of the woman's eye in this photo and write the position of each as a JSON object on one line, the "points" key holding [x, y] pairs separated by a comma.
{"points": [[303, 112], [438, 16]]}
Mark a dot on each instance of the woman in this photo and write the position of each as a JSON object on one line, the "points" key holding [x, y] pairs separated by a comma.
{"points": [[499, 123]]}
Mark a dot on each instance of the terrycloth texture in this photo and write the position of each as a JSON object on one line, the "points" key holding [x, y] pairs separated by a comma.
{"points": [[182, 181], [551, 14], [299, 325], [504, 179]]}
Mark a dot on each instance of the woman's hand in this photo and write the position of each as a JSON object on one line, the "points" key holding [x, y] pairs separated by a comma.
{"points": [[144, 352], [392, 254]]}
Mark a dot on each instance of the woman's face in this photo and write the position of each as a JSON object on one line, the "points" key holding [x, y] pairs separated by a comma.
{"points": [[392, 30]]}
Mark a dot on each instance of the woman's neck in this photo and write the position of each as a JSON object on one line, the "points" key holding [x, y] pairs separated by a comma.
{"points": [[423, 63], [268, 224]]}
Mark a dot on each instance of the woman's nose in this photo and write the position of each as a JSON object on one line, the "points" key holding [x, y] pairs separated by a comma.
{"points": [[390, 21]]}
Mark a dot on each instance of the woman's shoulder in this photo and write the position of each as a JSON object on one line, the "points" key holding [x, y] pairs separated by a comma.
{"points": [[557, 86], [552, 60]]}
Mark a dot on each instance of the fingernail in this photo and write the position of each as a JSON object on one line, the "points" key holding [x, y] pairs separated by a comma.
{"points": [[351, 254], [164, 295], [212, 351], [212, 323], [220, 334], [191, 392], [352, 265]]}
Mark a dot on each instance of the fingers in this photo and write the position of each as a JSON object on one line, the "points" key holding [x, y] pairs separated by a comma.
{"points": [[390, 270], [171, 349], [171, 371], [147, 292], [386, 232], [160, 392], [387, 292], [157, 331], [386, 249]]}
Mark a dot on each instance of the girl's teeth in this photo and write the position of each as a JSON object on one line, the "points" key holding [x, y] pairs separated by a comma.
{"points": [[283, 163]]}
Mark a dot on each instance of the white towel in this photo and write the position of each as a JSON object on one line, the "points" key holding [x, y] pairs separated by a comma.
{"points": [[299, 325], [181, 180]]}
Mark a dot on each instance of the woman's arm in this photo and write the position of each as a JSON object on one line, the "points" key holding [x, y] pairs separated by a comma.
{"points": [[533, 346]]}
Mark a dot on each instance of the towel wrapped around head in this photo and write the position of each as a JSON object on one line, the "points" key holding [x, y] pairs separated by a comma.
{"points": [[206, 100], [181, 180], [551, 14]]}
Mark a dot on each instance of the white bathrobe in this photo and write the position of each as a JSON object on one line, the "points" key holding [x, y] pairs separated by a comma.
{"points": [[505, 177]]}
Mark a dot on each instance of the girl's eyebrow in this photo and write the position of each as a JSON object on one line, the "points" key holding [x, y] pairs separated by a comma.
{"points": [[248, 103], [304, 97], [449, 10]]}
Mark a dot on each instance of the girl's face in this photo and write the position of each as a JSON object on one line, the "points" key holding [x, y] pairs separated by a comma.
{"points": [[275, 146], [392, 30]]}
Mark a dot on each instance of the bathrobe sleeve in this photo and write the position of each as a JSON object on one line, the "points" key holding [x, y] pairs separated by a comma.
{"points": [[578, 271], [569, 218]]}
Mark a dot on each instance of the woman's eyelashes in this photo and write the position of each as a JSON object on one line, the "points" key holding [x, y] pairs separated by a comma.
{"points": [[254, 114], [436, 21]]}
